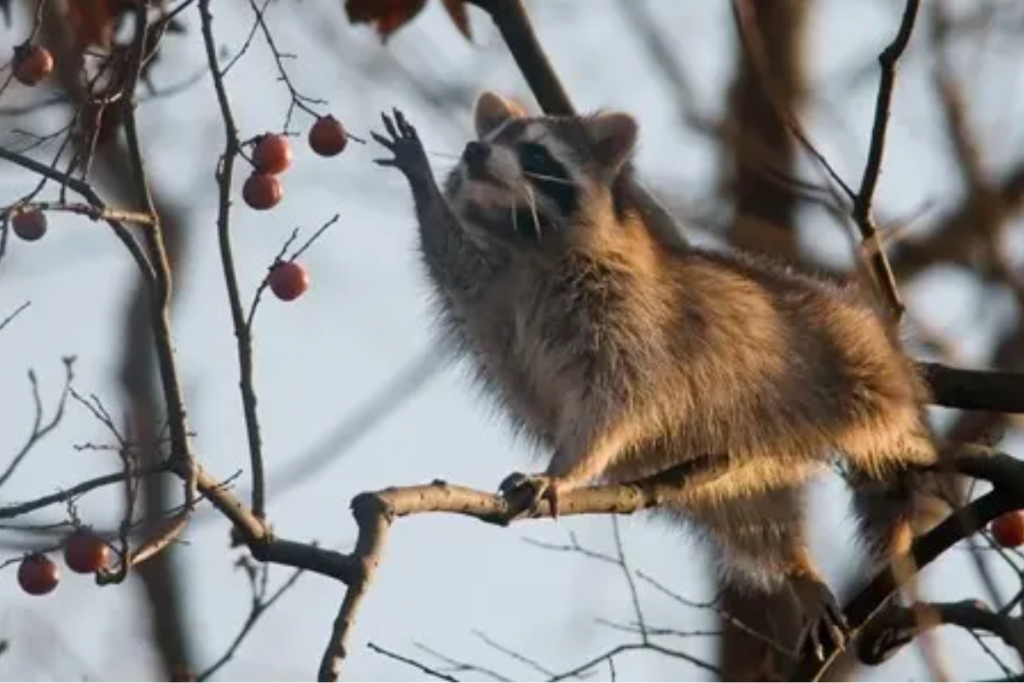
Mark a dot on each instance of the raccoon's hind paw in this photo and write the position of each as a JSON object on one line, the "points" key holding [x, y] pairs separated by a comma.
{"points": [[823, 618], [404, 142], [523, 494]]}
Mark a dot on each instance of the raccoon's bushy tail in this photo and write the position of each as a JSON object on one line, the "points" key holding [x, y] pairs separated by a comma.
{"points": [[893, 510], [891, 513]]}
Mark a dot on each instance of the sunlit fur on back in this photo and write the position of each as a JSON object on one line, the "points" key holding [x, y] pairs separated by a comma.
{"points": [[624, 357]]}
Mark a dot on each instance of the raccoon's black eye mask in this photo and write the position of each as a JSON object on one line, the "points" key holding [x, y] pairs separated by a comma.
{"points": [[548, 176]]}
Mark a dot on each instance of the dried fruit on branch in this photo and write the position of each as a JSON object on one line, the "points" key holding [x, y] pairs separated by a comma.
{"points": [[390, 15], [32, 63], [327, 137]]}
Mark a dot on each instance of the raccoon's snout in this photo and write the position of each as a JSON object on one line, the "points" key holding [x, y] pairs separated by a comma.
{"points": [[475, 156]]}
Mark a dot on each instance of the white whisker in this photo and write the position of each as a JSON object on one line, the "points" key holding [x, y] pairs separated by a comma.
{"points": [[549, 178], [533, 211]]}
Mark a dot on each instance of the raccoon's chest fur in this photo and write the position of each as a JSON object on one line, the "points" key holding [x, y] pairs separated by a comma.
{"points": [[509, 333], [546, 339]]}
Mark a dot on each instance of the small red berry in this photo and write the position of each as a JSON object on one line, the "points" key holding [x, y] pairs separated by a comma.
{"points": [[262, 191], [327, 137], [38, 574], [1008, 529], [288, 280], [32, 64], [29, 225], [85, 552], [272, 154]]}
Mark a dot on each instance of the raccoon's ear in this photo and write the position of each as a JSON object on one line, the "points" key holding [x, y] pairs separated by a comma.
{"points": [[613, 135], [492, 110]]}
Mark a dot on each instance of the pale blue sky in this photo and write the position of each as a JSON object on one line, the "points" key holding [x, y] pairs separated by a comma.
{"points": [[320, 358]]}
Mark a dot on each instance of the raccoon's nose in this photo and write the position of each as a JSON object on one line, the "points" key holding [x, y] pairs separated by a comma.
{"points": [[476, 153]]}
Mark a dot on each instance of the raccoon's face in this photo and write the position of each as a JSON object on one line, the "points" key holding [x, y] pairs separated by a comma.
{"points": [[534, 178]]}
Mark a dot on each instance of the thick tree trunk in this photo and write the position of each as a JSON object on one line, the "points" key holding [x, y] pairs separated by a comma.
{"points": [[762, 151]]}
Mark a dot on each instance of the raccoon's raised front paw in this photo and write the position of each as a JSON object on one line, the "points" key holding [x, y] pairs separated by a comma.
{"points": [[403, 141], [523, 493], [823, 618]]}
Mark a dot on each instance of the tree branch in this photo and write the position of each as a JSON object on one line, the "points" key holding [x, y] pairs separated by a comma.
{"points": [[1001, 392], [86, 191], [375, 512], [1005, 473], [260, 603], [243, 333], [901, 624], [160, 291], [40, 430], [864, 201], [11, 316], [104, 160], [18, 509]]}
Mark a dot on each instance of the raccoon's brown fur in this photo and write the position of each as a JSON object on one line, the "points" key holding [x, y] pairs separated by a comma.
{"points": [[623, 357]]}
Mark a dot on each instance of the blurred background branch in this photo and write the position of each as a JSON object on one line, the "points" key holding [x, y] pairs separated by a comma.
{"points": [[351, 370]]}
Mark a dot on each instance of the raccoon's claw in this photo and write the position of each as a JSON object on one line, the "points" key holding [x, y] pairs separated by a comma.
{"points": [[523, 494], [824, 622], [403, 141]]}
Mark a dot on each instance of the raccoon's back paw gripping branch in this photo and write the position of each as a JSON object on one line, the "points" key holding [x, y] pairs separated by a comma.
{"points": [[877, 632]]}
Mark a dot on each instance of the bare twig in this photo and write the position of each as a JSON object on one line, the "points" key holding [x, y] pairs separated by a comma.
{"points": [[261, 602], [660, 630], [281, 258], [457, 666], [516, 656], [1007, 671], [243, 335], [88, 210], [631, 647], [130, 467], [39, 429], [14, 314], [574, 546], [627, 574], [89, 194], [411, 662], [758, 59], [581, 670], [715, 606], [862, 205], [861, 211], [298, 100], [18, 509]]}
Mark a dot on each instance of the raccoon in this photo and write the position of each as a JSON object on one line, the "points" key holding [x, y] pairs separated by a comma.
{"points": [[624, 357]]}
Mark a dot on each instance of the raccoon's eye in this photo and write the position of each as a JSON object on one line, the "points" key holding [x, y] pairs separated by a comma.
{"points": [[549, 176], [535, 158]]}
